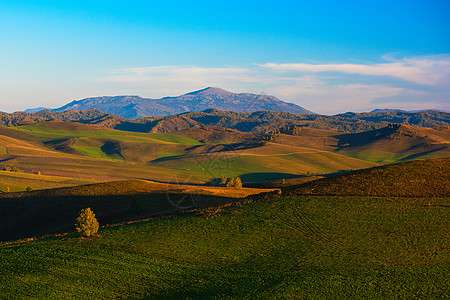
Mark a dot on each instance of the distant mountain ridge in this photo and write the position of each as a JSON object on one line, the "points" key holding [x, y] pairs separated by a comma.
{"points": [[402, 110], [257, 122], [135, 107]]}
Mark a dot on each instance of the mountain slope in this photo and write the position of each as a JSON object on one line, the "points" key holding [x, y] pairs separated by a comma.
{"points": [[135, 107]]}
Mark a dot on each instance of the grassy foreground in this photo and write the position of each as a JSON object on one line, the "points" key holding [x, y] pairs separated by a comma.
{"points": [[288, 248]]}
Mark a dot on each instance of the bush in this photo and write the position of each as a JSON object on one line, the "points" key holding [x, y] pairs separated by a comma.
{"points": [[28, 189], [86, 223], [234, 182], [223, 180]]}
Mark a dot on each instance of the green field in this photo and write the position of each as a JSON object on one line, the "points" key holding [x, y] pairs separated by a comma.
{"points": [[254, 167], [284, 248], [92, 153], [176, 154], [43, 130], [386, 157]]}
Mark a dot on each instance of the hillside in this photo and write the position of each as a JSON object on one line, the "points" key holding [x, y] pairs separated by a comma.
{"points": [[19, 117], [135, 107], [204, 153], [115, 201], [285, 248], [382, 234], [396, 143], [349, 122], [90, 154], [421, 178]]}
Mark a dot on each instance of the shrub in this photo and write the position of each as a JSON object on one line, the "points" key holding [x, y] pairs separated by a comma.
{"points": [[234, 182], [86, 223], [223, 180], [28, 189]]}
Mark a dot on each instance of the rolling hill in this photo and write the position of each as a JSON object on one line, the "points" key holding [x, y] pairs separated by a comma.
{"points": [[421, 178], [279, 246], [87, 155], [116, 201], [56, 148], [202, 154], [397, 143]]}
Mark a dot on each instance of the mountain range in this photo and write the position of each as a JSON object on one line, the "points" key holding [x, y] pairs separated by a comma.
{"points": [[258, 122], [135, 107]]}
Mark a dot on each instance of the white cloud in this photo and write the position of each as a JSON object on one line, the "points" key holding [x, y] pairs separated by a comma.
{"points": [[336, 99], [427, 71]]}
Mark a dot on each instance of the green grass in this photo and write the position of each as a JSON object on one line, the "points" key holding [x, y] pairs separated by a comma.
{"points": [[168, 138], [97, 152], [230, 164], [385, 157], [425, 178], [301, 247]]}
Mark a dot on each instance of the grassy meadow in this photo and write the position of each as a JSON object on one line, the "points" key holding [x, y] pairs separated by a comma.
{"points": [[284, 248], [91, 153], [63, 129], [379, 233]]}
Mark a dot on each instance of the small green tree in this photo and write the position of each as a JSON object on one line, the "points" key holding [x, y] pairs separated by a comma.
{"points": [[28, 189], [86, 223]]}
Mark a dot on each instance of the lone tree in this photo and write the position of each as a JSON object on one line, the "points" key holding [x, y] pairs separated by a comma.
{"points": [[86, 223]]}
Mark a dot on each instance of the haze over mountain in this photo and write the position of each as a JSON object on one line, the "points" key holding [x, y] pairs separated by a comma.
{"points": [[135, 107]]}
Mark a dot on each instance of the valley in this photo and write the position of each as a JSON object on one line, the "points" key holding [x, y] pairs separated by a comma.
{"points": [[349, 214]]}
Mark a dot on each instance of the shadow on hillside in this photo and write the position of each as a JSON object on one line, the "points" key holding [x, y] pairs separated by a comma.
{"points": [[31, 216], [205, 150], [266, 176], [419, 155]]}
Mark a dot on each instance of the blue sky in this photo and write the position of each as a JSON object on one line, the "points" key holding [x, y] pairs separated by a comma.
{"points": [[327, 56]]}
